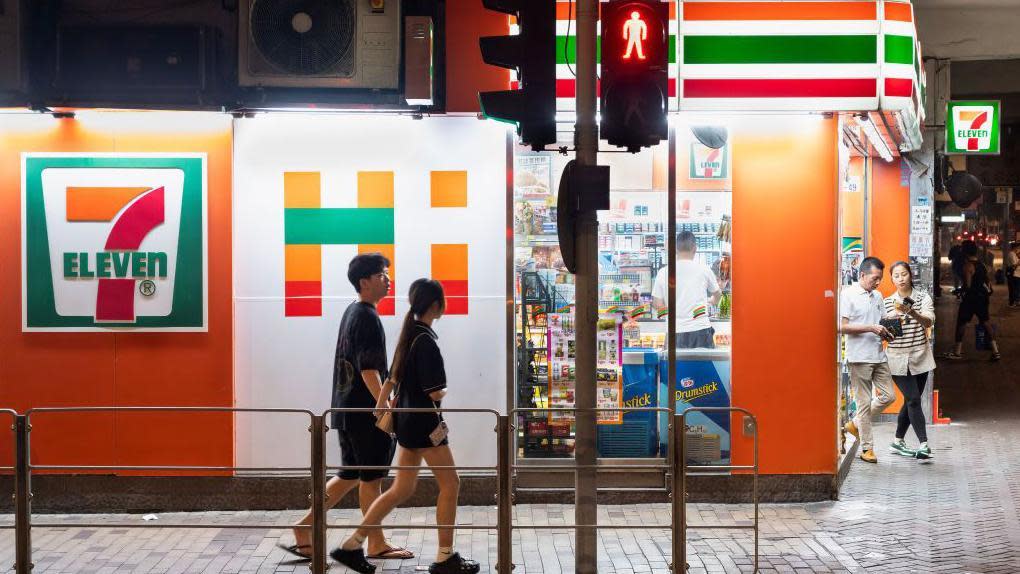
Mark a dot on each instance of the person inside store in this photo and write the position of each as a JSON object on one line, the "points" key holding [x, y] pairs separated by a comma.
{"points": [[861, 314], [359, 368], [910, 356], [1013, 273], [974, 302], [418, 381], [696, 289]]}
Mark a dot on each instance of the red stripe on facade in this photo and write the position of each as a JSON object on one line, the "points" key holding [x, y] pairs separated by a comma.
{"points": [[899, 87], [302, 299], [302, 307], [568, 88], [768, 88], [302, 289], [456, 305]]}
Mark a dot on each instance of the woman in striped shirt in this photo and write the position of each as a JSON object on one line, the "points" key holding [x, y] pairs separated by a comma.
{"points": [[910, 356]]}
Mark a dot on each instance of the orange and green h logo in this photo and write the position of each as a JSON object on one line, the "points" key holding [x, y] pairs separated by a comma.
{"points": [[308, 226]]}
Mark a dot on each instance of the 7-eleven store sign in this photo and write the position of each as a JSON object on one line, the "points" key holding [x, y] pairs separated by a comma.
{"points": [[973, 127]]}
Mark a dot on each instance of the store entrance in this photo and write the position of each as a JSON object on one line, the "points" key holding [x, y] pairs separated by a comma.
{"points": [[634, 307]]}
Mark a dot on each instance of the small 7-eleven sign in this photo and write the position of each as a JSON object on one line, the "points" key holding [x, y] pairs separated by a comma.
{"points": [[972, 127]]}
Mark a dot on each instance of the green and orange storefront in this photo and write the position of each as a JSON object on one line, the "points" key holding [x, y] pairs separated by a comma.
{"points": [[806, 93]]}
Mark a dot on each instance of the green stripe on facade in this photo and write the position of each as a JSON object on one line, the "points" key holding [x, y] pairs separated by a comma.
{"points": [[899, 50], [318, 226], [566, 50], [780, 50]]}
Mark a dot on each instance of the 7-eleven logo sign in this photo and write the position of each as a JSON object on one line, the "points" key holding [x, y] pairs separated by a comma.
{"points": [[709, 163], [973, 127], [114, 241]]}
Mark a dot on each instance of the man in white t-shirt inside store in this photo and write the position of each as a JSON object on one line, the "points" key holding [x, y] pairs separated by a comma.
{"points": [[861, 312], [696, 289]]}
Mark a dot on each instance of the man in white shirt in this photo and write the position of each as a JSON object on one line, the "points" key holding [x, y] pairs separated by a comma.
{"points": [[696, 288], [861, 312]]}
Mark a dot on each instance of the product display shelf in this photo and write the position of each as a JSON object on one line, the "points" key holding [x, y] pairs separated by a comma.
{"points": [[538, 435]]}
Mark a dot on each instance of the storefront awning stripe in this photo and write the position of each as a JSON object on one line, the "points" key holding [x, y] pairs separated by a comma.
{"points": [[694, 11], [899, 87], [787, 71], [899, 50], [786, 28], [567, 88], [899, 12], [565, 11], [566, 50], [781, 88], [337, 226], [780, 49]]}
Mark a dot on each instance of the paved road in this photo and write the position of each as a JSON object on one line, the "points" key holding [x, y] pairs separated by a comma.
{"points": [[955, 514]]}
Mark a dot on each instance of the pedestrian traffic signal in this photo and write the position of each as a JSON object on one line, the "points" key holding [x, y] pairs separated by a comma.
{"points": [[634, 88], [533, 105]]}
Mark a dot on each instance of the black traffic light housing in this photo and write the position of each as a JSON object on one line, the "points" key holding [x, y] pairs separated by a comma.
{"points": [[533, 106], [635, 79]]}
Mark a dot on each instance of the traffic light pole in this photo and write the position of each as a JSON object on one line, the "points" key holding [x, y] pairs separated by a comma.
{"points": [[586, 299]]}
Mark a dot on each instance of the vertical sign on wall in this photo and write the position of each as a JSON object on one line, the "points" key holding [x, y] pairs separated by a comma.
{"points": [[114, 241]]}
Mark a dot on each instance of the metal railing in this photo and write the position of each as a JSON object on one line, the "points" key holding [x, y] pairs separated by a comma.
{"points": [[680, 478], [675, 466]]}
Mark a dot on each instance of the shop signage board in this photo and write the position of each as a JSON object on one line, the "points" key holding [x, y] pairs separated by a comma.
{"points": [[921, 245], [114, 242], [920, 219], [972, 127], [311, 192]]}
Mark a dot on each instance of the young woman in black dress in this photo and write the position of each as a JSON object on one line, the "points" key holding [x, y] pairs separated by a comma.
{"points": [[419, 381]]}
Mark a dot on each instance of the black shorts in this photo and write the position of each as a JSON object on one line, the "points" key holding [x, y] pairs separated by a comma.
{"points": [[365, 446], [969, 309], [700, 339]]}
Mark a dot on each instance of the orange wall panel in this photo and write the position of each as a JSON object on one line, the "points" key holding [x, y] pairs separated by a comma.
{"points": [[890, 227], [784, 268], [890, 217], [120, 369], [466, 73]]}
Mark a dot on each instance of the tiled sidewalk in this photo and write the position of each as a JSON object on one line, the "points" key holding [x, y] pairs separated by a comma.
{"points": [[956, 514]]}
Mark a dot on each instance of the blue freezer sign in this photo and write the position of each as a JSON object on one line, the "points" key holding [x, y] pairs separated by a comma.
{"points": [[703, 383]]}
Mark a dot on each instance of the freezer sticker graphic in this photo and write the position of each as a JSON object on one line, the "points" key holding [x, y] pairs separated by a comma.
{"points": [[114, 241]]}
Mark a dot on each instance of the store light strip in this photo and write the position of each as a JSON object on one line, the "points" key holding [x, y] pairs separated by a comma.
{"points": [[876, 139], [954, 218]]}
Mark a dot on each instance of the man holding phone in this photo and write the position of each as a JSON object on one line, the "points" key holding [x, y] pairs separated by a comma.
{"points": [[861, 314]]}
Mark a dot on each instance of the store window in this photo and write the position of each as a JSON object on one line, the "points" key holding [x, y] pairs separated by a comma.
{"points": [[631, 354]]}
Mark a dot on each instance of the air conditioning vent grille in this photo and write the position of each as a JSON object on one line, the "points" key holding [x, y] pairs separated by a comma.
{"points": [[305, 37]]}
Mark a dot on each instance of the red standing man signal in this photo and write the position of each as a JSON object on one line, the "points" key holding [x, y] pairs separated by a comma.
{"points": [[635, 32]]}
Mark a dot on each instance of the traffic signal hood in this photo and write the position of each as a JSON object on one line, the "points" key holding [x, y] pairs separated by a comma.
{"points": [[531, 53]]}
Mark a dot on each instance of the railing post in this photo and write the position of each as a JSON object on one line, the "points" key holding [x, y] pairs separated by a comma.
{"points": [[679, 494], [504, 496], [318, 430], [22, 497]]}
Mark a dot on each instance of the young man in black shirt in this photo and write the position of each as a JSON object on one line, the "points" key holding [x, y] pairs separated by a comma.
{"points": [[359, 369]]}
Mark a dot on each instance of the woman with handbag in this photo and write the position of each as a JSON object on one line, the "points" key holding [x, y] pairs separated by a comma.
{"points": [[419, 381], [910, 356]]}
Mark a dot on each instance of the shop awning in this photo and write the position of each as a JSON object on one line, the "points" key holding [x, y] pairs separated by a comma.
{"points": [[804, 56]]}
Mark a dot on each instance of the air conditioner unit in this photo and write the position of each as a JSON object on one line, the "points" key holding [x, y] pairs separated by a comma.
{"points": [[319, 43], [13, 20]]}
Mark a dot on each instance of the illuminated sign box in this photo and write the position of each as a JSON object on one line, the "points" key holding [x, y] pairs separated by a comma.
{"points": [[972, 127]]}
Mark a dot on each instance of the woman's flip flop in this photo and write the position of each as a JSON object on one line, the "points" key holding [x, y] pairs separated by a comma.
{"points": [[393, 553], [295, 549]]}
